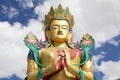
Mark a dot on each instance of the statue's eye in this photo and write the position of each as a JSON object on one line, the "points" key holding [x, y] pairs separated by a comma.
{"points": [[55, 28], [64, 28]]}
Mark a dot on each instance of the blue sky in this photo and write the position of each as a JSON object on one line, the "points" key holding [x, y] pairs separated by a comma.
{"points": [[100, 18]]}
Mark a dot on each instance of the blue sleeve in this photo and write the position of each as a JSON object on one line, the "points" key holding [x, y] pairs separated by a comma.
{"points": [[31, 55]]}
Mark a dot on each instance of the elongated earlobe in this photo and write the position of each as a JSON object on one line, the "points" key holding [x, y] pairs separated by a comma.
{"points": [[47, 28], [49, 43], [70, 40], [70, 29]]}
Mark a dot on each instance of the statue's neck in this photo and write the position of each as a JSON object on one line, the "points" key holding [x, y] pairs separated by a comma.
{"points": [[59, 45]]}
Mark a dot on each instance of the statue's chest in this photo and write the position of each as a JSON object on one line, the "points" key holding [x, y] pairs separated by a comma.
{"points": [[57, 52], [58, 56], [64, 56], [68, 53]]}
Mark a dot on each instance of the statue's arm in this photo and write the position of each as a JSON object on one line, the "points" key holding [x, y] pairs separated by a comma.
{"points": [[32, 69], [87, 66], [88, 70], [49, 68], [73, 70], [85, 71]]}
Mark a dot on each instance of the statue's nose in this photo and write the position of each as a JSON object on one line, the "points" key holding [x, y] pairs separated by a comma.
{"points": [[60, 33], [60, 29]]}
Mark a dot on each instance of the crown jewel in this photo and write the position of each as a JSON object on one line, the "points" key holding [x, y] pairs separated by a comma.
{"points": [[59, 14]]}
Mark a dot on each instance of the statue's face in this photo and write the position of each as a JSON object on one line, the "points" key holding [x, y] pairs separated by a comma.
{"points": [[59, 30]]}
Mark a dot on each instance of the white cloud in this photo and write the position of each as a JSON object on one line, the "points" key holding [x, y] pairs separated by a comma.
{"points": [[110, 69], [10, 11], [26, 3], [113, 42], [4, 9], [95, 60], [100, 19], [13, 52], [13, 12]]}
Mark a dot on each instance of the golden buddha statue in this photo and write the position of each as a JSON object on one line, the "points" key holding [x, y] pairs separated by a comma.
{"points": [[58, 58]]}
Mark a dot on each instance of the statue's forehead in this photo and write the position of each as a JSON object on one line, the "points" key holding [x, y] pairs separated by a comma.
{"points": [[59, 22]]}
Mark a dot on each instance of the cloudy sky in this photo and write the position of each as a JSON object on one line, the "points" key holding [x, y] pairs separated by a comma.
{"points": [[100, 18]]}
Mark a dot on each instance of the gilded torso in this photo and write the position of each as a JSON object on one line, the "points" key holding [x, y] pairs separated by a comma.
{"points": [[73, 56]]}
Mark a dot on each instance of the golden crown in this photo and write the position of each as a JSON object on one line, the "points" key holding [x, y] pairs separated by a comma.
{"points": [[59, 14]]}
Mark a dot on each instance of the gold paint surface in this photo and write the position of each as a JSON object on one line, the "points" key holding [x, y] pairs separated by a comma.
{"points": [[58, 34], [59, 30]]}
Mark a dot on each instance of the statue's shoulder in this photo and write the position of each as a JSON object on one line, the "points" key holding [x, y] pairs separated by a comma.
{"points": [[47, 50], [42, 50]]}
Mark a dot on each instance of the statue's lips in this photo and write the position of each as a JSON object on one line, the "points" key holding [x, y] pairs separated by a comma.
{"points": [[59, 33]]}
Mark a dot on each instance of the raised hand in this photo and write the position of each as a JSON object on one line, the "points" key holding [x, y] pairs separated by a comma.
{"points": [[60, 59]]}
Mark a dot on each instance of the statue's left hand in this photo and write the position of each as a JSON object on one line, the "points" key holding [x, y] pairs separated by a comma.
{"points": [[71, 68]]}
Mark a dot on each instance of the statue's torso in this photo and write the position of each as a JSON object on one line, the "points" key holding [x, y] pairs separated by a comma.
{"points": [[73, 56]]}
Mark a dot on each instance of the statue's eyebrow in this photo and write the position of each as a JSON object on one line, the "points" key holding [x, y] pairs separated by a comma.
{"points": [[59, 25], [55, 25], [64, 25]]}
